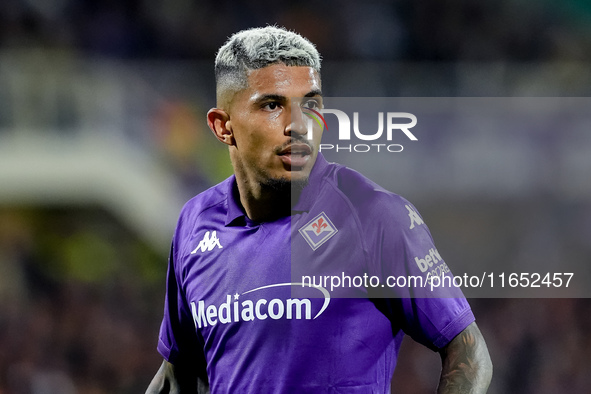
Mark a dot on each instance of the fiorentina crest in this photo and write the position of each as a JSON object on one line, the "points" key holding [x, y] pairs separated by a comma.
{"points": [[318, 231]]}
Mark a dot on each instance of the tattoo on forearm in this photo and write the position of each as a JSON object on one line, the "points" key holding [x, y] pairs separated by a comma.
{"points": [[466, 364]]}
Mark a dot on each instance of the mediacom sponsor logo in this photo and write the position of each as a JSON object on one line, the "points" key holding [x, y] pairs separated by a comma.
{"points": [[250, 310], [393, 126]]}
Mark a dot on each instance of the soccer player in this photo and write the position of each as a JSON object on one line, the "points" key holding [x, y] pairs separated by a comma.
{"points": [[234, 320]]}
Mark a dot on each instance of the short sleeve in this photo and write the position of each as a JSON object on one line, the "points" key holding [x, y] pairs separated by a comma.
{"points": [[178, 338], [403, 254]]}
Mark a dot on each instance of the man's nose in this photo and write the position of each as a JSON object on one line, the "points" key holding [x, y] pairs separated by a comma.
{"points": [[299, 121]]}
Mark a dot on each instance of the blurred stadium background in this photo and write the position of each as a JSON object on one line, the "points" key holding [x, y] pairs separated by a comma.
{"points": [[103, 137]]}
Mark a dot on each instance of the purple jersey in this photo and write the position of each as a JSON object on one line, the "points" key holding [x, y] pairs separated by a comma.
{"points": [[233, 292]]}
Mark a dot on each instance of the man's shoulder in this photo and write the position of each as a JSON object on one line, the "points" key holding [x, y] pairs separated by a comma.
{"points": [[367, 207], [362, 193], [215, 196]]}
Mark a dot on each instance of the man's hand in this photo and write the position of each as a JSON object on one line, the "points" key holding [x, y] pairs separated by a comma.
{"points": [[467, 367], [173, 380]]}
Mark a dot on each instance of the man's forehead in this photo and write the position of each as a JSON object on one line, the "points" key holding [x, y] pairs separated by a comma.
{"points": [[291, 81]]}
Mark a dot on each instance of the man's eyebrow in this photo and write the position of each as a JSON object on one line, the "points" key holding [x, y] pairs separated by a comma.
{"points": [[270, 97], [282, 98], [315, 92]]}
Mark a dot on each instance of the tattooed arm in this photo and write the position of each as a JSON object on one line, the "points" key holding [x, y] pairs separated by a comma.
{"points": [[181, 379], [467, 367]]}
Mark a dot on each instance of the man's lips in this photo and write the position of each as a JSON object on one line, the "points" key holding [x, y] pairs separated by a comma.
{"points": [[296, 155]]}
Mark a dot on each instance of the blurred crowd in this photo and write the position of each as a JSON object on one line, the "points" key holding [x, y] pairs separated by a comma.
{"points": [[460, 30], [80, 303], [538, 346]]}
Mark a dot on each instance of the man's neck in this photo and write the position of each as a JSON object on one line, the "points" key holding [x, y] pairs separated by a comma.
{"points": [[266, 203]]}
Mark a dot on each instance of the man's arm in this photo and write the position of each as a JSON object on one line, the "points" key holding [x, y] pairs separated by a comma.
{"points": [[467, 367], [174, 380]]}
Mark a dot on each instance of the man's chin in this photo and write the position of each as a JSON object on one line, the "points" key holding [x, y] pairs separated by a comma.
{"points": [[298, 184], [288, 184]]}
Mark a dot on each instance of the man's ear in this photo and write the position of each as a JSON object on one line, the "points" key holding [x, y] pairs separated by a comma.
{"points": [[218, 121]]}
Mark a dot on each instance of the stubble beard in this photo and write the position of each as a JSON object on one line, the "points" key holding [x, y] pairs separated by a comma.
{"points": [[285, 189], [283, 185]]}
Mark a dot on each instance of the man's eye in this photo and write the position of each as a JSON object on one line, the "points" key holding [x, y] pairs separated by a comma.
{"points": [[313, 104], [272, 105]]}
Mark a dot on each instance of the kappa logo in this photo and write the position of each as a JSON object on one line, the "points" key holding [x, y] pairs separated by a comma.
{"points": [[318, 231], [414, 217], [208, 243]]}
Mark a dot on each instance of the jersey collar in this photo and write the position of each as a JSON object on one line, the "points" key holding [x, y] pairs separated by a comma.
{"points": [[311, 191], [235, 210]]}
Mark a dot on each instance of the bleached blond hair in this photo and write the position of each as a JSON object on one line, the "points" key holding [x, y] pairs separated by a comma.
{"points": [[256, 48]]}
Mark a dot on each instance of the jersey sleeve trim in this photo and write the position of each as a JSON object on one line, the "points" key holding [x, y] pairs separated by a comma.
{"points": [[456, 326], [165, 351]]}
